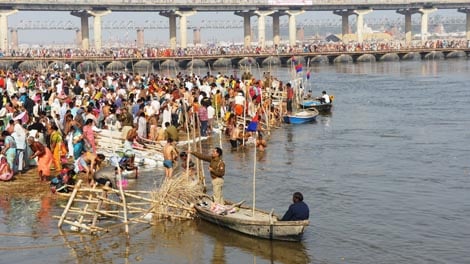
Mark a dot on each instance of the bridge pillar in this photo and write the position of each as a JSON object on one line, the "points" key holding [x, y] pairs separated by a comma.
{"points": [[78, 38], [140, 38], [172, 24], [467, 28], [97, 26], [344, 20], [85, 29], [292, 24], [276, 28], [262, 27], [360, 23], [184, 26], [4, 28], [301, 34], [424, 22], [246, 26], [407, 13], [196, 36], [14, 38]]}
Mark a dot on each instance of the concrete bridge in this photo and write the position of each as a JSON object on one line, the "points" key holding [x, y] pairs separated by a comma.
{"points": [[105, 63], [182, 9]]}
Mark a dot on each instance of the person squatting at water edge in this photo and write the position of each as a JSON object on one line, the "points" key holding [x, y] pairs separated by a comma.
{"points": [[88, 162], [298, 210], [217, 171], [108, 173]]}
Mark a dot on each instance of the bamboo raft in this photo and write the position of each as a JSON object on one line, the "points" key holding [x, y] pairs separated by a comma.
{"points": [[88, 206]]}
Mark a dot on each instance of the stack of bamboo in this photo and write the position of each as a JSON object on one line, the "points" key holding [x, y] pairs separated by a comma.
{"points": [[175, 198]]}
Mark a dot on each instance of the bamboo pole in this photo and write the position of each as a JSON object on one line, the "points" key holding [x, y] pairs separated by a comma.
{"points": [[85, 208], [104, 192], [124, 202], [109, 201], [186, 122], [254, 180], [69, 203]]}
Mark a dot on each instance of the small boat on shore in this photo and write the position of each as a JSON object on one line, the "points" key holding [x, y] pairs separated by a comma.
{"points": [[256, 222], [301, 117]]}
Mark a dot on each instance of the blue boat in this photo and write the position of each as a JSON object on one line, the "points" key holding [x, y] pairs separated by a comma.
{"points": [[301, 117]]}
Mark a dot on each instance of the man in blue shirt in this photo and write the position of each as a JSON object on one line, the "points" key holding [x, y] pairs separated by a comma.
{"points": [[298, 210]]}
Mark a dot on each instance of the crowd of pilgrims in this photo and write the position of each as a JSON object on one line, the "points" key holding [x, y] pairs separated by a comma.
{"points": [[49, 118]]}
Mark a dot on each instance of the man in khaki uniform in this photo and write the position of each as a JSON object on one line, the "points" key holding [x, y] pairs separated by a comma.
{"points": [[217, 171]]}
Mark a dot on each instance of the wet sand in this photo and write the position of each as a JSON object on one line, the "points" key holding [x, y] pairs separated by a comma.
{"points": [[25, 185]]}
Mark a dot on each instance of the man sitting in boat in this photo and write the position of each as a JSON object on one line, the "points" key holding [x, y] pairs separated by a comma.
{"points": [[325, 98], [298, 210]]}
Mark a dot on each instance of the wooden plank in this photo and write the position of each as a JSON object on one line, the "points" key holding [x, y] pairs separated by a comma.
{"points": [[69, 203]]}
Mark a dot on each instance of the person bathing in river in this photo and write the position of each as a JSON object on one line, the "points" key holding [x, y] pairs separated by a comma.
{"points": [[170, 155], [261, 142]]}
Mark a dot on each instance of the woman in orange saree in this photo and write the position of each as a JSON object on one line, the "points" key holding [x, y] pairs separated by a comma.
{"points": [[44, 156]]}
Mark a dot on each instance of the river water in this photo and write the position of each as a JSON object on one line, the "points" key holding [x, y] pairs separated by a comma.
{"points": [[386, 176]]}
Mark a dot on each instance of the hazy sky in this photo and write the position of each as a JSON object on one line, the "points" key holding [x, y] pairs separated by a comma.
{"points": [[160, 36]]}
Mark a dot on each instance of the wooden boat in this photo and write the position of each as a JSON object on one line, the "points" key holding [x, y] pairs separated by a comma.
{"points": [[256, 222], [321, 107], [301, 117]]}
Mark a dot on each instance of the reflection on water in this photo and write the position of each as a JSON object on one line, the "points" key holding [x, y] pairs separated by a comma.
{"points": [[272, 251], [170, 242]]}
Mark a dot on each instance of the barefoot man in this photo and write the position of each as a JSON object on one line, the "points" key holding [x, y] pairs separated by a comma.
{"points": [[169, 156]]}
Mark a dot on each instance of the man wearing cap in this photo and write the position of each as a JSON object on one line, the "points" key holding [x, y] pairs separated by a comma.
{"points": [[217, 171]]}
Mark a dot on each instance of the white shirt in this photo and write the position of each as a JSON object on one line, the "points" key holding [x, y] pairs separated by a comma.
{"points": [[210, 112], [326, 97], [239, 100], [155, 105], [19, 134]]}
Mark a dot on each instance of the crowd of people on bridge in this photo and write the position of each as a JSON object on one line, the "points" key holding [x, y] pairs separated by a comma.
{"points": [[234, 49]]}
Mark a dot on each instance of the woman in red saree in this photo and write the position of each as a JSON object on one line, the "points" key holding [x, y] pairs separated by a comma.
{"points": [[44, 156]]}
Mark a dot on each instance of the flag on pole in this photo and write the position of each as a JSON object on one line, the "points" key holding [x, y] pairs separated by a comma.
{"points": [[298, 68], [308, 75]]}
